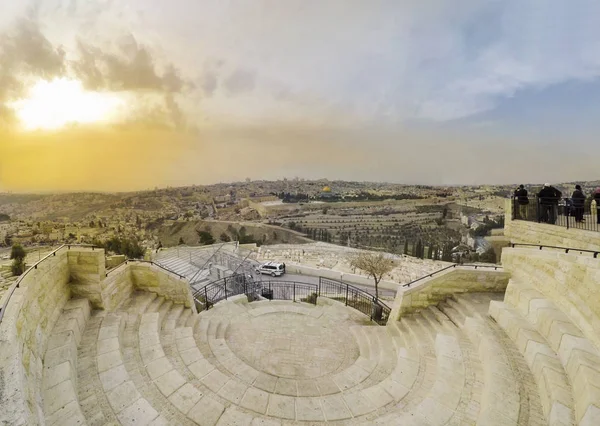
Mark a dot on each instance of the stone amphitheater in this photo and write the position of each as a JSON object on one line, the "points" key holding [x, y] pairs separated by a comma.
{"points": [[517, 345]]}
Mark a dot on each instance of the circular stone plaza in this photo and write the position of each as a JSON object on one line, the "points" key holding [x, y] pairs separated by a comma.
{"points": [[81, 344]]}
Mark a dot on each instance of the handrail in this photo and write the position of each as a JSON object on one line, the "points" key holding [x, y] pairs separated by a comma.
{"points": [[206, 263], [357, 289], [221, 284], [566, 249], [496, 267], [17, 283], [242, 262], [153, 264]]}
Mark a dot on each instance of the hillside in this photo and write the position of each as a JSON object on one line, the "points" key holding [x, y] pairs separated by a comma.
{"points": [[170, 234]]}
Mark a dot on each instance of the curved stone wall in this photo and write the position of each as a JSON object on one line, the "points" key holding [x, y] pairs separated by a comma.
{"points": [[567, 279], [27, 324]]}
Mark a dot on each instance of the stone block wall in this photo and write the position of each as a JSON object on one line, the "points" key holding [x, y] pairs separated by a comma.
{"points": [[24, 331], [149, 277], [119, 284], [87, 270], [520, 231], [117, 287], [432, 290], [569, 280]]}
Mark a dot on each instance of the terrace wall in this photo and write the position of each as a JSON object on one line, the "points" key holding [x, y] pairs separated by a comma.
{"points": [[432, 290], [520, 231], [26, 326]]}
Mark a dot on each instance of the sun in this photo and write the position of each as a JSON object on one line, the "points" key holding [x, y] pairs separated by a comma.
{"points": [[58, 103]]}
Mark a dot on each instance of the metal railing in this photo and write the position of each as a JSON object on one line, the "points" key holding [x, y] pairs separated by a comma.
{"points": [[556, 211], [356, 298], [206, 262], [145, 261], [238, 284], [33, 267], [566, 249], [495, 267]]}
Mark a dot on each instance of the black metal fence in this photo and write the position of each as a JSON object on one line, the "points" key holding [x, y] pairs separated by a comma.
{"points": [[355, 298], [237, 284], [560, 212]]}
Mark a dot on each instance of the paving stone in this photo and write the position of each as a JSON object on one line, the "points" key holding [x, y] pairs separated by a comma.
{"points": [[335, 408], [234, 417], [206, 412], [255, 400], [266, 382], [215, 380], [169, 382], [113, 377], [158, 367], [282, 406], [138, 413], [109, 360], [201, 368], [123, 396], [185, 398], [309, 409], [233, 391]]}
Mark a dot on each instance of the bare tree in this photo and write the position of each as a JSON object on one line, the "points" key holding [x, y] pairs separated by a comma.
{"points": [[375, 265]]}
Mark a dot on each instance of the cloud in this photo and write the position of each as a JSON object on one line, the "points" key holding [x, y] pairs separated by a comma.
{"points": [[25, 50], [26, 55], [240, 81]]}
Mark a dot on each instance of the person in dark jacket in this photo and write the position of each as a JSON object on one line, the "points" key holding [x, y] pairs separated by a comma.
{"points": [[548, 199], [522, 202], [597, 198], [578, 202]]}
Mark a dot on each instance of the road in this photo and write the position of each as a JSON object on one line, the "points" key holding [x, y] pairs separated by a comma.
{"points": [[315, 280]]}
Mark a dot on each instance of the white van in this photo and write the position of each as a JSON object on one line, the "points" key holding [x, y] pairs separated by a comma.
{"points": [[275, 269]]}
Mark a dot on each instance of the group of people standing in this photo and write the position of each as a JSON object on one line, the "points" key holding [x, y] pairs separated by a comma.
{"points": [[548, 199]]}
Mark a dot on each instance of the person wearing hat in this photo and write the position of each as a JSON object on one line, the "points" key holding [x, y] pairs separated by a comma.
{"points": [[578, 203]]}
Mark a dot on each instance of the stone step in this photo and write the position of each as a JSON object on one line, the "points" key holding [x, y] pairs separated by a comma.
{"points": [[361, 340], [155, 305], [139, 302], [442, 401], [125, 400], [171, 317], [453, 311], [579, 357], [172, 385], [60, 373], [452, 314], [183, 318], [501, 397], [553, 384], [163, 309]]}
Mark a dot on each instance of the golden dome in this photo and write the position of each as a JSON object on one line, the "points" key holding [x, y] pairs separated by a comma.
{"points": [[326, 189]]}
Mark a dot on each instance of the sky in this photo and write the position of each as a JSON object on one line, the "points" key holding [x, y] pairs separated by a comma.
{"points": [[201, 91]]}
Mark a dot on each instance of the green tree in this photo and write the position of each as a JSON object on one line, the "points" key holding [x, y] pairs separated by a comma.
{"points": [[489, 256], [181, 242], [206, 237], [224, 237], [17, 254], [406, 247]]}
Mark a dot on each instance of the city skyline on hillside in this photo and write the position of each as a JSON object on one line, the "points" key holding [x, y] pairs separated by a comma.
{"points": [[107, 96]]}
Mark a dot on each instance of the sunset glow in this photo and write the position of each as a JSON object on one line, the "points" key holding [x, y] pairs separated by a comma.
{"points": [[55, 104]]}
